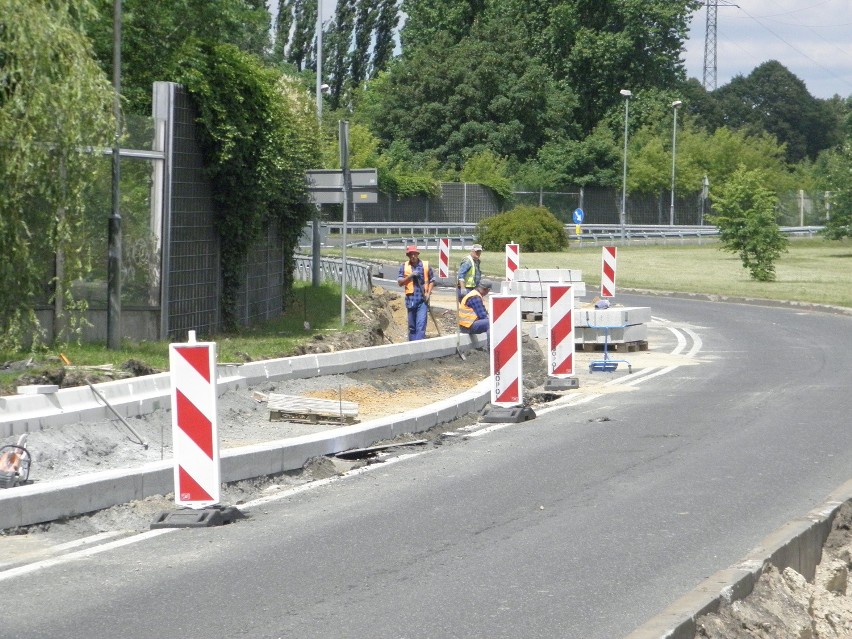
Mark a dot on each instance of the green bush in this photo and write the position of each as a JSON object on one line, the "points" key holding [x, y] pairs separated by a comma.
{"points": [[534, 228]]}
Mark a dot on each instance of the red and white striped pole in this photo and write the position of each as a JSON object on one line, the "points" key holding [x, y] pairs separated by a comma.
{"points": [[444, 257], [513, 260], [560, 330], [506, 364], [608, 272], [195, 431]]}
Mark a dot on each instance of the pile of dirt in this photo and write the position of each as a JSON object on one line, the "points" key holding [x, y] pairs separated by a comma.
{"points": [[785, 604]]}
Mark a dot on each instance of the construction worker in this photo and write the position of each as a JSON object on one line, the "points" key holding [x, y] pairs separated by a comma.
{"points": [[469, 271], [473, 316], [418, 280]]}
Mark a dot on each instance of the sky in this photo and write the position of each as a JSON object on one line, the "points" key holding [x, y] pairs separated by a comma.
{"points": [[811, 38]]}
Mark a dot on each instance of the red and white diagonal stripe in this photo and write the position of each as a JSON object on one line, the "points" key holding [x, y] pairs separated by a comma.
{"points": [[513, 260], [608, 272], [560, 330], [195, 437], [444, 257], [506, 364]]}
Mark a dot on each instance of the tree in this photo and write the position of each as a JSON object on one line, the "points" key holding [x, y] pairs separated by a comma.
{"points": [[158, 37], [717, 155], [386, 21], [304, 19], [746, 221], [456, 99], [839, 181], [774, 100], [366, 16], [428, 19], [337, 50], [598, 47], [489, 170], [54, 103]]}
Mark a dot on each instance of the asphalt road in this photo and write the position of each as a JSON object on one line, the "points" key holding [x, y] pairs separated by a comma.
{"points": [[582, 523]]}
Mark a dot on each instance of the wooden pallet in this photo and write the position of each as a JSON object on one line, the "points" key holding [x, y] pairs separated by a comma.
{"points": [[311, 410], [529, 316], [618, 347]]}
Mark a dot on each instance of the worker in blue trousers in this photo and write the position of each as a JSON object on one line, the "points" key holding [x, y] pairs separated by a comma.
{"points": [[473, 316], [418, 280]]}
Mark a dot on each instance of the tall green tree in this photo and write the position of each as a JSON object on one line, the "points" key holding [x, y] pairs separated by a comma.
{"points": [[301, 53], [365, 22], [158, 37], [774, 100], [338, 44], [427, 19], [839, 183], [746, 219], [718, 155], [601, 46], [54, 103], [455, 99], [387, 20]]}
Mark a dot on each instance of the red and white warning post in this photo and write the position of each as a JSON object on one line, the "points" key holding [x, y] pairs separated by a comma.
{"points": [[195, 427]]}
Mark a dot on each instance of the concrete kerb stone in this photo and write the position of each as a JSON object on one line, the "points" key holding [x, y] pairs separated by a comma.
{"points": [[797, 544], [142, 395], [27, 505]]}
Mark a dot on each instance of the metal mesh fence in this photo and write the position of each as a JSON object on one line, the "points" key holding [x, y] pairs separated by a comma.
{"points": [[192, 259], [456, 203], [469, 203], [261, 293]]}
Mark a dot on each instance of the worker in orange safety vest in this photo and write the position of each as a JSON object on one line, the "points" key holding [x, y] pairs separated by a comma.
{"points": [[473, 316]]}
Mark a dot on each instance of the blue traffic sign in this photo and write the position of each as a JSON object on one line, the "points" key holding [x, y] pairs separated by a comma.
{"points": [[578, 216]]}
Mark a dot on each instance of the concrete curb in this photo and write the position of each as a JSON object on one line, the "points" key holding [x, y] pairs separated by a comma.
{"points": [[797, 545], [142, 395], [49, 501]]}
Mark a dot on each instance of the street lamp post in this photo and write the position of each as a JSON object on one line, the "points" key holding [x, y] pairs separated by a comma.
{"points": [[675, 106], [316, 239], [623, 218]]}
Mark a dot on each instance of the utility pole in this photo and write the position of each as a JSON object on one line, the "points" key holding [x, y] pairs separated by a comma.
{"points": [[710, 66], [710, 46]]}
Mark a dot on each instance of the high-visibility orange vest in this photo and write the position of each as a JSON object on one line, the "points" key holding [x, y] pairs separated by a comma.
{"points": [[409, 286], [467, 316]]}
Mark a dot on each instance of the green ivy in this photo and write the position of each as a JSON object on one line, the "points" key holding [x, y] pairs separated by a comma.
{"points": [[259, 136]]}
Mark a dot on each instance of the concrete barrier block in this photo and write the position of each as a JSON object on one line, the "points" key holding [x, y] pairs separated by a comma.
{"points": [[619, 316], [305, 366], [11, 508], [79, 495], [158, 478], [37, 389], [586, 335], [565, 275]]}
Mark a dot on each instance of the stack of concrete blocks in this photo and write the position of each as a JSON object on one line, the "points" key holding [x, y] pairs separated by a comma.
{"points": [[617, 325], [532, 285], [623, 324]]}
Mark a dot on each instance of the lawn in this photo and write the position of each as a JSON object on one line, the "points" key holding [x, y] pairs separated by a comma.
{"points": [[814, 270]]}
